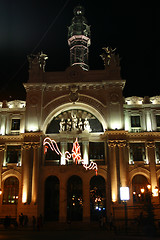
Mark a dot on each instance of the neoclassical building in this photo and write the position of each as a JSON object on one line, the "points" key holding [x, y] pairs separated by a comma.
{"points": [[67, 150]]}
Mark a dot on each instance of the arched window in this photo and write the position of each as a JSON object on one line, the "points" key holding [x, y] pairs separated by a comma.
{"points": [[140, 186], [11, 191], [74, 199], [72, 120], [97, 197], [51, 207]]}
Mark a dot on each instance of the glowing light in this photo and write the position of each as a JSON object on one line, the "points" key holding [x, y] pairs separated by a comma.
{"points": [[32, 128], [124, 193], [76, 154], [142, 190], [155, 192], [113, 197], [149, 186], [24, 197]]}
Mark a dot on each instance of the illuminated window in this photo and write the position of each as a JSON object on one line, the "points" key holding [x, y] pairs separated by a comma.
{"points": [[97, 197], [139, 187], [11, 191], [135, 121], [13, 154], [15, 124]]}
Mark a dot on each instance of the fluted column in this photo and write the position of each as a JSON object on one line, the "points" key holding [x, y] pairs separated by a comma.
{"points": [[26, 165], [63, 149], [113, 170], [35, 172], [63, 201], [122, 163], [152, 163], [86, 201], [85, 146], [2, 148]]}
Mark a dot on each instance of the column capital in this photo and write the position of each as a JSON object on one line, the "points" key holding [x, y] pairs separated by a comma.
{"points": [[26, 146], [2, 147], [111, 143], [150, 144], [35, 145], [121, 143]]}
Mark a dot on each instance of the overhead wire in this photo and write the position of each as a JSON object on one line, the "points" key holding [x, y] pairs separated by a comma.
{"points": [[37, 45]]}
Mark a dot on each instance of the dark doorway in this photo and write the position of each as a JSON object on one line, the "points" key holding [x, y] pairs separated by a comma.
{"points": [[51, 206], [97, 198], [74, 199]]}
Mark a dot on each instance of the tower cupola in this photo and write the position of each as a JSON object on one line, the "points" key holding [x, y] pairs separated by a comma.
{"points": [[79, 39]]}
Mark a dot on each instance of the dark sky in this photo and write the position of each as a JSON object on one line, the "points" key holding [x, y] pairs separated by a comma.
{"points": [[29, 26]]}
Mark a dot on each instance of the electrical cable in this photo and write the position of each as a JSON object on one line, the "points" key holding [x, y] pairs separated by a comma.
{"points": [[37, 45]]}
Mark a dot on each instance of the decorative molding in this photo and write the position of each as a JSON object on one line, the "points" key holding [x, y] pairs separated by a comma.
{"points": [[150, 144]]}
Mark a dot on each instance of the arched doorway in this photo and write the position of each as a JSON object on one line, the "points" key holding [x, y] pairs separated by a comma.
{"points": [[11, 191], [51, 206], [140, 186], [97, 197], [74, 199]]}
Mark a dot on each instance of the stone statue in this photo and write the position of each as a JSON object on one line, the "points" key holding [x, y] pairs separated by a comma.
{"points": [[87, 125], [37, 61], [109, 57], [68, 127], [74, 122], [80, 125], [62, 125]]}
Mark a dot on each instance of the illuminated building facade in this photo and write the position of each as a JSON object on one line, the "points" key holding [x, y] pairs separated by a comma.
{"points": [[120, 135]]}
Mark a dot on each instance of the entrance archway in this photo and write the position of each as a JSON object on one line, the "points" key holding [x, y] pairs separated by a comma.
{"points": [[51, 206], [97, 197], [74, 199], [139, 187]]}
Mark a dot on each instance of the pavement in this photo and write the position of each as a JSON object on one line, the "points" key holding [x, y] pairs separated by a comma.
{"points": [[70, 232]]}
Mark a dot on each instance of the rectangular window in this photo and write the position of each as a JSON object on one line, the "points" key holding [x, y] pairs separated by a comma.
{"points": [[96, 151], [158, 120], [135, 121], [137, 152], [157, 144], [13, 154], [15, 124], [52, 156]]}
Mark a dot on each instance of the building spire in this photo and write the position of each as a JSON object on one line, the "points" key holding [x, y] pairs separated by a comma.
{"points": [[79, 39]]}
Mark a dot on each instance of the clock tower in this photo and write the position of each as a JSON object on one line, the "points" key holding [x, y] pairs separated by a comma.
{"points": [[79, 39]]}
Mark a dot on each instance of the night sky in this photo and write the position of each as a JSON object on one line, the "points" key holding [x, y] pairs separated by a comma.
{"points": [[29, 26]]}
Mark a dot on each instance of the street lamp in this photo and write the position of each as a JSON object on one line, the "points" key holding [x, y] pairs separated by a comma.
{"points": [[124, 196]]}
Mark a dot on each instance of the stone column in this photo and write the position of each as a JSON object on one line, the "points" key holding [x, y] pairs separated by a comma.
{"points": [[63, 149], [35, 173], [86, 200], [27, 171], [113, 170], [2, 148], [152, 163], [63, 201], [122, 163], [3, 124], [85, 147]]}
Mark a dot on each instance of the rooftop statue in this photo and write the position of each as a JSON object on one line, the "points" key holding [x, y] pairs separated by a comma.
{"points": [[109, 57], [37, 60]]}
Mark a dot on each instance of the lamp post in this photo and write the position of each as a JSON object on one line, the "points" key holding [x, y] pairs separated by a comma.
{"points": [[124, 196]]}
